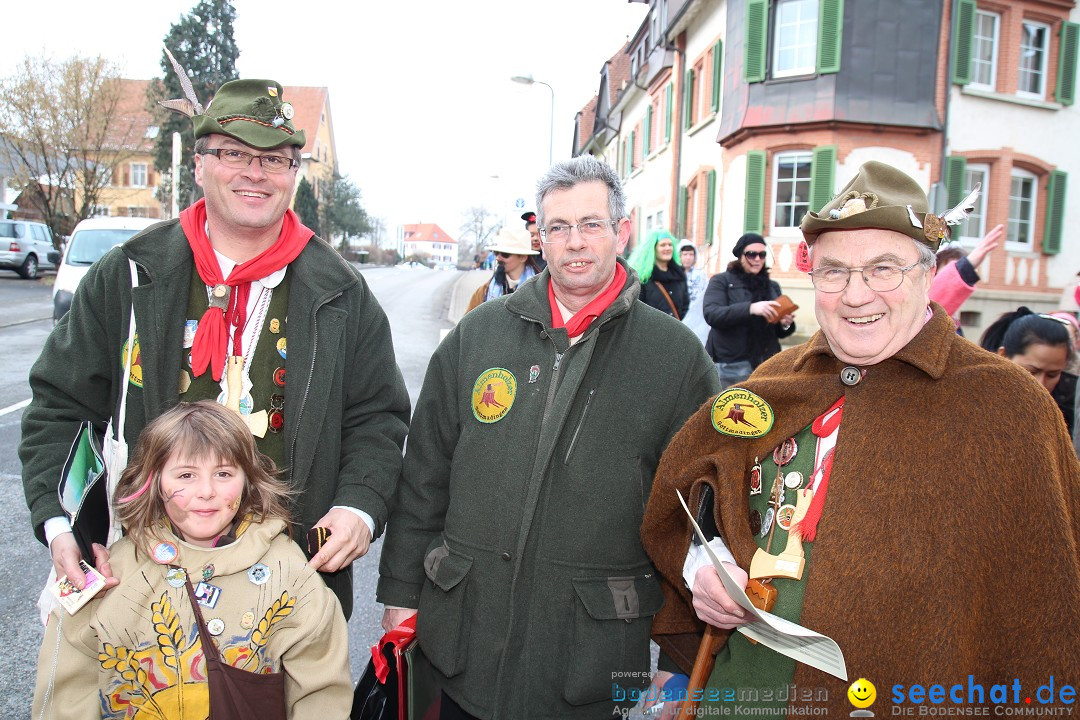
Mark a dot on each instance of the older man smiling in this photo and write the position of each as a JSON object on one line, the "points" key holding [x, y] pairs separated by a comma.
{"points": [[935, 483]]}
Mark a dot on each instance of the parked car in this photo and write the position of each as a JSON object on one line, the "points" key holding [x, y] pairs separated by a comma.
{"points": [[90, 239], [25, 247]]}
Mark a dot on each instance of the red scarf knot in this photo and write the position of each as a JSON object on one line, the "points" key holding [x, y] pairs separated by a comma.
{"points": [[211, 337], [581, 320]]}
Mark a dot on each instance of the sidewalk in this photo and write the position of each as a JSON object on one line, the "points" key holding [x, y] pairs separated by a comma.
{"points": [[463, 289]]}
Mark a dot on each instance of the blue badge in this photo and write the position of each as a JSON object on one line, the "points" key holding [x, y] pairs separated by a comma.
{"points": [[165, 552]]}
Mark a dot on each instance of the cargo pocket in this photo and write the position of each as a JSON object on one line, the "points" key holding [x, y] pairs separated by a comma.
{"points": [[441, 625], [612, 618]]}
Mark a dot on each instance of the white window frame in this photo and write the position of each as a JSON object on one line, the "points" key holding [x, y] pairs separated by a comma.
{"points": [[140, 175], [1041, 93], [994, 46], [1010, 242], [796, 156], [777, 70], [976, 173]]}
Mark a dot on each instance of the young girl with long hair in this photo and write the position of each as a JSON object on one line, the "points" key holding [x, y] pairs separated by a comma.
{"points": [[207, 560]]}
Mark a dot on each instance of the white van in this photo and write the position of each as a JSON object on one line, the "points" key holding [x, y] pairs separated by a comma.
{"points": [[90, 239]]}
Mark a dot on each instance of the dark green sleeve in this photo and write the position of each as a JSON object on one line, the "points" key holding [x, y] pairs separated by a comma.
{"points": [[74, 380], [418, 513]]}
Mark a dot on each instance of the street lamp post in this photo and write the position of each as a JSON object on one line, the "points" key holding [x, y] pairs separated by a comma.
{"points": [[530, 80]]}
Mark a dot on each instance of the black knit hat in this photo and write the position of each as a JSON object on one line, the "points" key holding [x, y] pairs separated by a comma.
{"points": [[747, 239]]}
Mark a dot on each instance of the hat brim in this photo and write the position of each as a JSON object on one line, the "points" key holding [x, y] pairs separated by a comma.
{"points": [[512, 250], [250, 131], [894, 218]]}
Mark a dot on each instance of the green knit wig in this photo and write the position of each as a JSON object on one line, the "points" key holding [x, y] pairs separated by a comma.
{"points": [[643, 257]]}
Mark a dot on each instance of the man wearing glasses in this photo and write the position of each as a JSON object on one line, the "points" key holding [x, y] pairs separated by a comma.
{"points": [[741, 309], [908, 492], [531, 456], [225, 295]]}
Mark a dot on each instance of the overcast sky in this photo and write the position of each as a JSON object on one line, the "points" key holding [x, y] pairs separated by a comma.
{"points": [[423, 107]]}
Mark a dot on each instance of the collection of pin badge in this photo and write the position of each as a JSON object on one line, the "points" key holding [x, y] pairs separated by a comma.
{"points": [[276, 417], [206, 594]]}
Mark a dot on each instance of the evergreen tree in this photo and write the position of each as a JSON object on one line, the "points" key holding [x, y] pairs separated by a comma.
{"points": [[342, 215], [202, 42], [306, 206]]}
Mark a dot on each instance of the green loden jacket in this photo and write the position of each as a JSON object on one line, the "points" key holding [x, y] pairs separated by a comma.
{"points": [[518, 539], [346, 406]]}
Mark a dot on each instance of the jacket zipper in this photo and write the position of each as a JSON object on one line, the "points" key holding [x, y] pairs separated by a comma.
{"points": [[581, 423]]}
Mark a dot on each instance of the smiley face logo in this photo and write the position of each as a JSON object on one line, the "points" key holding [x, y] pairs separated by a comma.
{"points": [[862, 693]]}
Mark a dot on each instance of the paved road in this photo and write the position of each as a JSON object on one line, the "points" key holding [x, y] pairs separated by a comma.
{"points": [[417, 302]]}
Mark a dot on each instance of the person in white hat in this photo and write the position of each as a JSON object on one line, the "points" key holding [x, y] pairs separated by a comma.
{"points": [[516, 264]]}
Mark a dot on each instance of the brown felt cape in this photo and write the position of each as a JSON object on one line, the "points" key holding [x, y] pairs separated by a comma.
{"points": [[948, 542]]}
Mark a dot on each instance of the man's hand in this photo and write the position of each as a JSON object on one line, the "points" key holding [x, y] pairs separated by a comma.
{"points": [[765, 308], [712, 602], [349, 539], [394, 616], [66, 557], [787, 321], [990, 241]]}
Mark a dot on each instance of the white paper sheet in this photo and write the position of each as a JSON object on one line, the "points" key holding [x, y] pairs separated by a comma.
{"points": [[772, 631]]}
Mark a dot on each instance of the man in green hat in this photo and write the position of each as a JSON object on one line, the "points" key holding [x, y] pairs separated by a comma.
{"points": [[887, 484], [225, 293]]}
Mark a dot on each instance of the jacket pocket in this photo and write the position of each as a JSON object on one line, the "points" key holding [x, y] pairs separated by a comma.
{"points": [[612, 618], [441, 624]]}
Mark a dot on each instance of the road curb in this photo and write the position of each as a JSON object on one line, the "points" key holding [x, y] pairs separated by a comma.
{"points": [[463, 289]]}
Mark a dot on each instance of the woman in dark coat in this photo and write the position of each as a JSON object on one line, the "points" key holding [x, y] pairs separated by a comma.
{"points": [[663, 280], [740, 307]]}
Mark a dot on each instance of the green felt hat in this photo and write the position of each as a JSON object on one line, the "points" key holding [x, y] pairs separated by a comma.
{"points": [[253, 112], [879, 196]]}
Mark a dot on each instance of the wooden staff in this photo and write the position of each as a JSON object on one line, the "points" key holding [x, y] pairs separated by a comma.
{"points": [[703, 667]]}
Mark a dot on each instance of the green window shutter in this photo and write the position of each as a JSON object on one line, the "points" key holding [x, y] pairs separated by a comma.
{"points": [[830, 34], [717, 64], [1066, 75], [1055, 212], [757, 40], [822, 176], [963, 38], [754, 216], [684, 198], [710, 206], [688, 99], [633, 149], [647, 139], [667, 112], [955, 172]]}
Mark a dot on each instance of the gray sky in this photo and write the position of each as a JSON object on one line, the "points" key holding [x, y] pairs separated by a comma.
{"points": [[424, 111]]}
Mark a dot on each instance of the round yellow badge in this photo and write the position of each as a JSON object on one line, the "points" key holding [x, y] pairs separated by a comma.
{"points": [[493, 394], [135, 377], [741, 413]]}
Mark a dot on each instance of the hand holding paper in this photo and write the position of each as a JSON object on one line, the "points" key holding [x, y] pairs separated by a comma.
{"points": [[772, 631]]}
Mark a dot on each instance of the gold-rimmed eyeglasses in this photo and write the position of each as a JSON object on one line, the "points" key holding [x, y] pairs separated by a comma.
{"points": [[589, 230], [879, 278]]}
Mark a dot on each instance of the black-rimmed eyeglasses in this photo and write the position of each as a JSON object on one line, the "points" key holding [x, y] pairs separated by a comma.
{"points": [[241, 159]]}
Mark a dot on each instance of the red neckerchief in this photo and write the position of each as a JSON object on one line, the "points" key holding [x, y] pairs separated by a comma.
{"points": [[211, 337], [584, 317], [823, 426]]}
